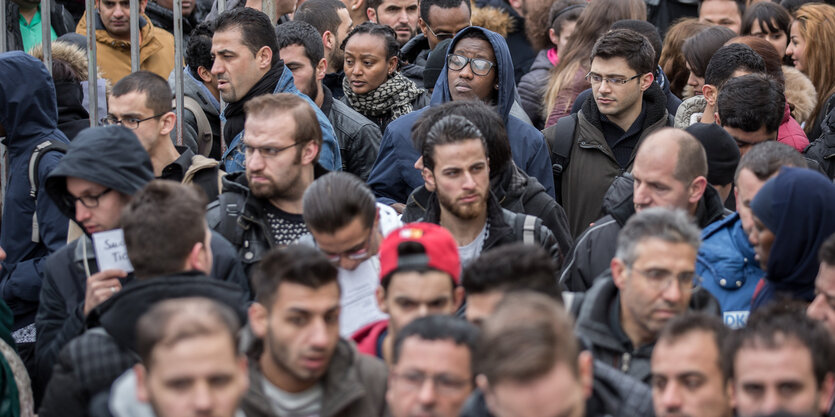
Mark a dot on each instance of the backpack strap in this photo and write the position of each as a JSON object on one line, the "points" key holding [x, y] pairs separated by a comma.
{"points": [[34, 182], [526, 226], [560, 140], [231, 207], [204, 137]]}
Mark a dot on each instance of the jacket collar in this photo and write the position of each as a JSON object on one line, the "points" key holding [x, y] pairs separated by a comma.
{"points": [[654, 103], [498, 228]]}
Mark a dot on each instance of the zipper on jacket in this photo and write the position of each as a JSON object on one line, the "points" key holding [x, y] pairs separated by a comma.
{"points": [[625, 362]]}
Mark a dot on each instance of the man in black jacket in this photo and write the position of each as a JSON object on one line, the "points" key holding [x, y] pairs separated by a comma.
{"points": [[301, 49], [30, 11], [169, 246], [103, 168]]}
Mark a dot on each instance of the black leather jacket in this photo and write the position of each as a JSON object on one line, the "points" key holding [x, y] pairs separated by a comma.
{"points": [[359, 138]]}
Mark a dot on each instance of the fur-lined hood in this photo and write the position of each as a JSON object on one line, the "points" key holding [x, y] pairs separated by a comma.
{"points": [[493, 19], [689, 107], [72, 55], [800, 93]]}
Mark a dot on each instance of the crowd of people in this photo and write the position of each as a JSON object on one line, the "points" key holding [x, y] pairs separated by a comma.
{"points": [[487, 208]]}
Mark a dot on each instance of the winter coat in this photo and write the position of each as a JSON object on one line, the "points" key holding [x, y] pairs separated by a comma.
{"points": [[367, 338], [532, 87], [673, 102], [414, 54], [822, 149], [384, 120], [567, 95], [353, 386], [194, 88], [593, 252], [613, 394], [89, 364], [60, 19], [358, 137], [728, 269], [156, 53], [690, 112], [329, 157], [611, 346], [521, 52], [29, 115], [393, 177], [800, 93], [791, 133], [15, 389], [163, 18], [593, 166], [515, 191]]}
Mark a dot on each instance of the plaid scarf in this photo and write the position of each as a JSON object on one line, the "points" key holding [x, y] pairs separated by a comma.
{"points": [[395, 97]]}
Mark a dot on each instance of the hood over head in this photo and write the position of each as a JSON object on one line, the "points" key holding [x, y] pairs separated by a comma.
{"points": [[504, 64], [110, 156], [29, 111]]}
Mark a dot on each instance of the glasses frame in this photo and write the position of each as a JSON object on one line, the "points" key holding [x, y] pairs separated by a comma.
{"points": [[440, 36], [469, 62], [121, 122], [611, 81], [441, 383], [694, 280], [360, 254], [243, 147], [92, 200]]}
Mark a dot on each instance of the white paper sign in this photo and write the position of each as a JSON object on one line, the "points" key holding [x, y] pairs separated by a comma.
{"points": [[111, 252]]}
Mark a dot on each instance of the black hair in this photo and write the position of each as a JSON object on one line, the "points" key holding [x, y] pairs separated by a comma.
{"points": [[425, 5], [628, 44], [297, 264], [199, 47], [730, 58], [334, 200], [698, 48], [563, 11], [388, 35], [512, 267], [772, 17], [740, 5], [448, 130], [750, 102], [690, 322], [483, 116], [256, 29], [644, 28], [304, 34], [322, 14], [826, 254], [765, 158], [438, 327], [158, 94]]}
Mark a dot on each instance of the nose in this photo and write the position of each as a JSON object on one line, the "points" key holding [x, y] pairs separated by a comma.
{"points": [[670, 397], [770, 403], [692, 80], [469, 182], [217, 67], [347, 264], [404, 17], [672, 294], [254, 162], [202, 397], [467, 71], [753, 239], [82, 213], [640, 196], [604, 86], [816, 309], [118, 10], [789, 49], [356, 69], [426, 396], [319, 334], [419, 164]]}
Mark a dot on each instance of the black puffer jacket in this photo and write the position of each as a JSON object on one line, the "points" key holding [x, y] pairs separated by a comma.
{"points": [[359, 138], [89, 364], [822, 149], [595, 248], [414, 54], [614, 394], [164, 19], [61, 19]]}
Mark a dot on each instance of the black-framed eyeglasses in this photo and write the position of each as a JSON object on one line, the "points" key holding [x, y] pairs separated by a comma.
{"points": [[441, 36], [354, 254], [265, 151], [89, 201], [478, 66], [130, 122], [596, 79]]}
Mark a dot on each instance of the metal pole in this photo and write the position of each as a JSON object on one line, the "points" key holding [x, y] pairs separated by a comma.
{"points": [[46, 32], [268, 7], [3, 25], [178, 68], [92, 66], [134, 35]]}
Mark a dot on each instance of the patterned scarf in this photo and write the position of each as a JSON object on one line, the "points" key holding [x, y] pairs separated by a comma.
{"points": [[395, 97]]}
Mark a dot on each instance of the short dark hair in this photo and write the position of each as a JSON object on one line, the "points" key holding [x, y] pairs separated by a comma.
{"points": [[563, 11], [512, 267], [387, 34], [751, 102], [772, 17], [626, 44], [740, 5], [148, 221], [826, 254], [199, 48], [335, 200], [301, 33], [448, 130], [171, 321], [698, 48], [158, 94], [438, 327], [730, 58], [425, 5], [644, 28], [256, 29], [524, 338], [773, 64], [766, 158], [483, 116], [307, 125], [296, 264], [690, 322], [777, 324], [321, 14]]}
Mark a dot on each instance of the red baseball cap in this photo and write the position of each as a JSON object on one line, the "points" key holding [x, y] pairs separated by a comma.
{"points": [[440, 251]]}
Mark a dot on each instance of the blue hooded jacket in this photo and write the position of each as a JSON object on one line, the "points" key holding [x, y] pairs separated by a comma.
{"points": [[394, 177], [329, 156], [29, 114]]}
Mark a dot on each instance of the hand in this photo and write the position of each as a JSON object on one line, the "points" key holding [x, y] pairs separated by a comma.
{"points": [[101, 286], [398, 207]]}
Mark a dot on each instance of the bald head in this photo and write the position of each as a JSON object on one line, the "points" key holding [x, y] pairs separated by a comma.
{"points": [[670, 169]]}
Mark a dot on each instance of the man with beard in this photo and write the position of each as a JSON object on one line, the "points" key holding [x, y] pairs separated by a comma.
{"points": [[333, 21], [400, 15], [299, 366], [359, 138], [456, 167], [261, 208]]}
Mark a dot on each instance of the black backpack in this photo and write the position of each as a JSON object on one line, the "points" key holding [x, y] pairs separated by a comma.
{"points": [[560, 140], [34, 162]]}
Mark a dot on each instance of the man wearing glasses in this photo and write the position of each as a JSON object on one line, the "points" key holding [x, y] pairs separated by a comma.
{"points": [[625, 106], [419, 275], [142, 102], [348, 226], [439, 20]]}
